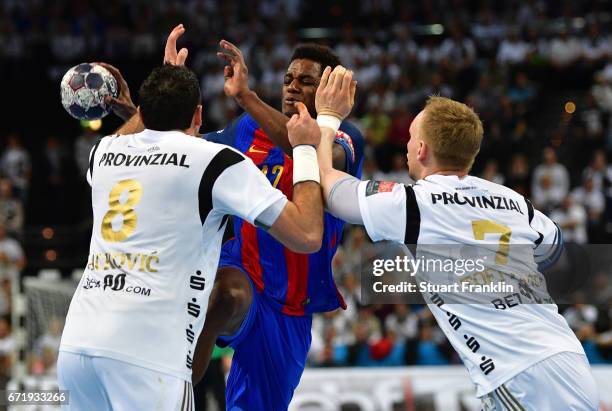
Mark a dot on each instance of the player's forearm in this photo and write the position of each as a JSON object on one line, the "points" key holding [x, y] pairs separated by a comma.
{"points": [[132, 126], [300, 225], [327, 162], [272, 121], [309, 213]]}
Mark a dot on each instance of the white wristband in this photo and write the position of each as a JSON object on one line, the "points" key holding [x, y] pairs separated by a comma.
{"points": [[325, 120], [305, 164]]}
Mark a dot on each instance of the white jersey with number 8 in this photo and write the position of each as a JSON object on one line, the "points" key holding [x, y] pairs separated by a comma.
{"points": [[160, 205]]}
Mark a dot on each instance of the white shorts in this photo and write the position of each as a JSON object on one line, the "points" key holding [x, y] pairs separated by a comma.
{"points": [[104, 384], [558, 383]]}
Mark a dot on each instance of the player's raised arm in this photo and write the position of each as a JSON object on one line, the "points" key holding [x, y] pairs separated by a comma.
{"points": [[236, 75], [298, 224], [334, 101]]}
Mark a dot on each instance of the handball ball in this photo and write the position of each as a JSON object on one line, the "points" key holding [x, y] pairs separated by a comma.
{"points": [[84, 88]]}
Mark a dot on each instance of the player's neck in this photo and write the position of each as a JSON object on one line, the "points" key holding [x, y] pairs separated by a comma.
{"points": [[443, 172]]}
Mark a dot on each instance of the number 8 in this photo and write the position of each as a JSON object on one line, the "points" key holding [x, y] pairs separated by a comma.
{"points": [[126, 210]]}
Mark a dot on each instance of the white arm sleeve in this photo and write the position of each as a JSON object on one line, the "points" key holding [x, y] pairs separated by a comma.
{"points": [[242, 190], [343, 200], [383, 209]]}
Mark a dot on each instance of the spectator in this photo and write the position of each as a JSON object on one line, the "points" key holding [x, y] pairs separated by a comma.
{"points": [[592, 119], [356, 251], [51, 338], [595, 46], [399, 172], [404, 321], [485, 99], [491, 172], [513, 50], [572, 219], [600, 172], [351, 291], [592, 200], [400, 128], [388, 351], [11, 209], [11, 253], [16, 166], [550, 183], [366, 318], [82, 147], [522, 92], [359, 350], [437, 87], [519, 175], [428, 350], [376, 124], [458, 51], [7, 350], [565, 50]]}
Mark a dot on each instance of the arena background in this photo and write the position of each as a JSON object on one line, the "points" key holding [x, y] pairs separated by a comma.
{"points": [[538, 72]]}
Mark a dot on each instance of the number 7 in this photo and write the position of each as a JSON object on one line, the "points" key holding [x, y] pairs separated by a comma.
{"points": [[482, 227]]}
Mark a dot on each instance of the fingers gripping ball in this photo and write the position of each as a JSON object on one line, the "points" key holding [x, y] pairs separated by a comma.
{"points": [[84, 88]]}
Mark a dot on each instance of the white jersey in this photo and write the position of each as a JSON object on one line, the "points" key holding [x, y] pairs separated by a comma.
{"points": [[160, 205], [495, 342]]}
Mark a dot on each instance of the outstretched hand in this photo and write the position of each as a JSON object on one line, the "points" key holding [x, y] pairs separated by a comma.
{"points": [[236, 73], [302, 128], [336, 93], [171, 56], [122, 105]]}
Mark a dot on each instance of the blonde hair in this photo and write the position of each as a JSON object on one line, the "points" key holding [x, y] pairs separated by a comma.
{"points": [[453, 130]]}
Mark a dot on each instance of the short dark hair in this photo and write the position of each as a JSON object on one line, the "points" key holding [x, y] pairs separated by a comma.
{"points": [[168, 98], [317, 53]]}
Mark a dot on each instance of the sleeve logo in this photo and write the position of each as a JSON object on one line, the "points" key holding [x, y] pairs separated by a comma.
{"points": [[375, 187]]}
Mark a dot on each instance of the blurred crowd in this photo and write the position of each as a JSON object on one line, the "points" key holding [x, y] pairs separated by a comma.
{"points": [[537, 72]]}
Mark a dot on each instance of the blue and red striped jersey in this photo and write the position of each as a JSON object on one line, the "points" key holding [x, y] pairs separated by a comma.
{"points": [[297, 283]]}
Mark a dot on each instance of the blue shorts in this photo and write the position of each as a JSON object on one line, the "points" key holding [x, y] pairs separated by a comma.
{"points": [[270, 350]]}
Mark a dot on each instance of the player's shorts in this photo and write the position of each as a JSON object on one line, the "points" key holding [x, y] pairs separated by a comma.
{"points": [[270, 350], [105, 384], [560, 382]]}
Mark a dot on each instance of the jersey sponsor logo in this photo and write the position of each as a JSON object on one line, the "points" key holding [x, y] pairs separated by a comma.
{"points": [[492, 202], [118, 283], [114, 282], [486, 364], [375, 187], [253, 149], [144, 263], [90, 283], [157, 159], [197, 282]]}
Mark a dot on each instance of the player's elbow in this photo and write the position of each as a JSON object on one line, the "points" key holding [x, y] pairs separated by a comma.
{"points": [[311, 241]]}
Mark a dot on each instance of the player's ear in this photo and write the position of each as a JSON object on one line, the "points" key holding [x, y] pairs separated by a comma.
{"points": [[196, 122], [422, 151]]}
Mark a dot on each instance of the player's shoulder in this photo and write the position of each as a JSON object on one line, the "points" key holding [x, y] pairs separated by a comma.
{"points": [[466, 183], [216, 148], [495, 188], [241, 123], [243, 126]]}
